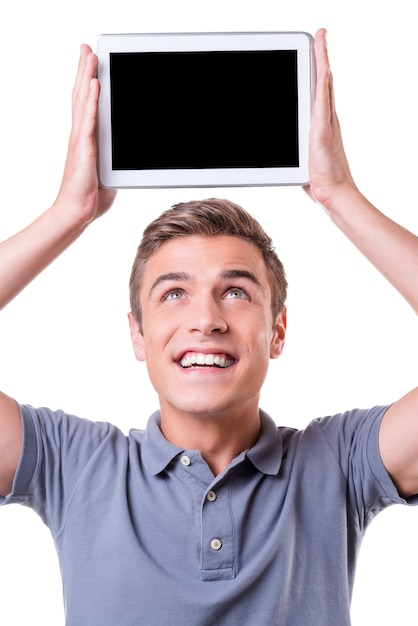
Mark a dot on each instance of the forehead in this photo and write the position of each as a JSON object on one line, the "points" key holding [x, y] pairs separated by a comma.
{"points": [[203, 256]]}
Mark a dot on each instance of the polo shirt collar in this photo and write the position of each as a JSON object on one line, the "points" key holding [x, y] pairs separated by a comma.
{"points": [[157, 451], [265, 455]]}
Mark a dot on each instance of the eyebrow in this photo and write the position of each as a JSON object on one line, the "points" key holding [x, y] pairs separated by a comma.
{"points": [[185, 277], [231, 274], [171, 276]]}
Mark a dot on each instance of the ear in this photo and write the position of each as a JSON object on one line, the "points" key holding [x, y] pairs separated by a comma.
{"points": [[137, 338], [278, 336]]}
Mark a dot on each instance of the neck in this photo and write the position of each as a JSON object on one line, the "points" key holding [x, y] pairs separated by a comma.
{"points": [[219, 438]]}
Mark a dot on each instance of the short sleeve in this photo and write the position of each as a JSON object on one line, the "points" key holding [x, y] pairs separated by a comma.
{"points": [[353, 438], [57, 448]]}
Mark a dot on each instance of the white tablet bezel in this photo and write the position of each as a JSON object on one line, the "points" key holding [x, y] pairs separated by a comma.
{"points": [[225, 177]]}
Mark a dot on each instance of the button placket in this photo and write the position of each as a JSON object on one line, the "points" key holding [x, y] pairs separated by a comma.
{"points": [[217, 536], [213, 517]]}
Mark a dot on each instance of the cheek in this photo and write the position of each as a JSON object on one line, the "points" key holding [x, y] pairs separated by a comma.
{"points": [[156, 335], [258, 357]]}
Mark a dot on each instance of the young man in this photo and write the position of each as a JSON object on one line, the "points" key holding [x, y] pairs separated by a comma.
{"points": [[212, 515]]}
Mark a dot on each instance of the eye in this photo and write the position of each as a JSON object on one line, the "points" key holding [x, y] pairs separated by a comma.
{"points": [[173, 294], [236, 293]]}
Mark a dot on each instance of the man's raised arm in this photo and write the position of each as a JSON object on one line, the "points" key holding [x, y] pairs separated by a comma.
{"points": [[392, 249], [26, 254], [79, 201]]}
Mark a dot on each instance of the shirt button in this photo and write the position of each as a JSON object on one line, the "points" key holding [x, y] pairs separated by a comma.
{"points": [[211, 496], [216, 544], [185, 460]]}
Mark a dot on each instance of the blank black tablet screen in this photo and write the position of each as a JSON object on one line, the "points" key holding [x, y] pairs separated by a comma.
{"points": [[227, 109]]}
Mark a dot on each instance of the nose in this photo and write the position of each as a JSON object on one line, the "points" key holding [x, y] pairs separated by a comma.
{"points": [[206, 317]]}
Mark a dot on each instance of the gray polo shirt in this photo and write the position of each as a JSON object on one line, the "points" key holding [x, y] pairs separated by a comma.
{"points": [[146, 535]]}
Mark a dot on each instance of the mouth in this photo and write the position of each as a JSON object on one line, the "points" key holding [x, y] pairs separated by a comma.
{"points": [[199, 359]]}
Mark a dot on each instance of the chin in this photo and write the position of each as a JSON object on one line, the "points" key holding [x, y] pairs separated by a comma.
{"points": [[198, 408]]}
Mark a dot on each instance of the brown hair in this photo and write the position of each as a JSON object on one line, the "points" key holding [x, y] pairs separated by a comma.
{"points": [[207, 218]]}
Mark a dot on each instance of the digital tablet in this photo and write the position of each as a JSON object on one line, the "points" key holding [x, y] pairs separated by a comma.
{"points": [[204, 109]]}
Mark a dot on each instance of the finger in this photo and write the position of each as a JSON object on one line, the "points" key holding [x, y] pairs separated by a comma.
{"points": [[85, 50], [81, 92], [86, 72], [321, 53], [87, 125], [333, 108], [323, 98]]}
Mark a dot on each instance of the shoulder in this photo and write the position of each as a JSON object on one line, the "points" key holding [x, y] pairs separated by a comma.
{"points": [[346, 438]]}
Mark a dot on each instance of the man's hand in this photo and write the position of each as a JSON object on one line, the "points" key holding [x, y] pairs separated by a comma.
{"points": [[392, 249], [80, 191], [80, 199], [329, 171]]}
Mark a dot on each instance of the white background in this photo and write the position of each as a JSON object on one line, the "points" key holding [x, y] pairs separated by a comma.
{"points": [[352, 341]]}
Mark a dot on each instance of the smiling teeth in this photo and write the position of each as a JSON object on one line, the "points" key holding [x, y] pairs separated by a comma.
{"points": [[205, 359]]}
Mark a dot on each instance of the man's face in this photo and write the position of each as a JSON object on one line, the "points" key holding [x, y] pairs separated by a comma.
{"points": [[207, 328]]}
